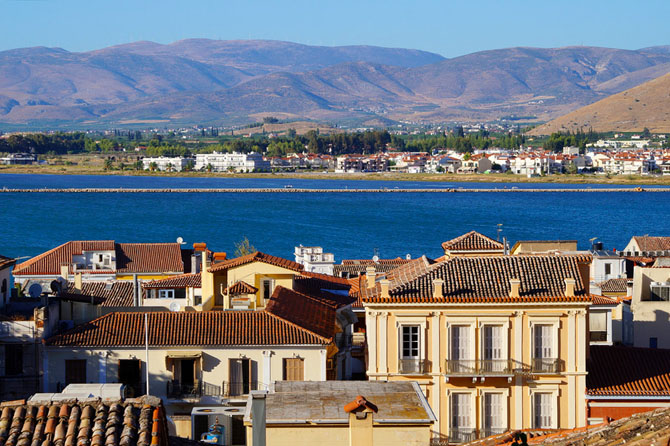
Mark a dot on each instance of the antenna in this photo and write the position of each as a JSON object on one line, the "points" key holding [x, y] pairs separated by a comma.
{"points": [[499, 231], [375, 253], [408, 256]]}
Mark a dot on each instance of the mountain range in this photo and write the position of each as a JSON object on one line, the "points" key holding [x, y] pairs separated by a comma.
{"points": [[200, 81]]}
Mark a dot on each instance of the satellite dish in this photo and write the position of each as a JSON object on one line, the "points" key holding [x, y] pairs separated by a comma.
{"points": [[375, 259], [180, 240], [408, 256], [56, 287], [35, 290], [174, 306]]}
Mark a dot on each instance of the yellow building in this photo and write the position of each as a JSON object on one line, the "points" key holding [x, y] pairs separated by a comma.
{"points": [[543, 247], [496, 342]]}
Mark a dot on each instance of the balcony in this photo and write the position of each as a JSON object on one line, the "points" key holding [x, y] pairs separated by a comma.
{"points": [[462, 435], [177, 390], [466, 435], [232, 388], [547, 365], [479, 367], [413, 366]]}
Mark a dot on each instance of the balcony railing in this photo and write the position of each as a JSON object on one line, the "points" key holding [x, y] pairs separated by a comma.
{"points": [[465, 435], [410, 366], [546, 365], [491, 431], [177, 390], [232, 388], [462, 435], [470, 367]]}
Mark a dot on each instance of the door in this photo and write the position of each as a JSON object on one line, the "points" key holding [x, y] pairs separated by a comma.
{"points": [[460, 360], [543, 418], [187, 373], [543, 351], [239, 377], [461, 428], [75, 371], [492, 349], [493, 411], [130, 374]]}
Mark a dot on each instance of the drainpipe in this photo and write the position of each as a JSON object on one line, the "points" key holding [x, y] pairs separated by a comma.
{"points": [[258, 417], [136, 300]]}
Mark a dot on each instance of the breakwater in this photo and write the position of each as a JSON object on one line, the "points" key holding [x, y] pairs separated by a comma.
{"points": [[320, 191]]}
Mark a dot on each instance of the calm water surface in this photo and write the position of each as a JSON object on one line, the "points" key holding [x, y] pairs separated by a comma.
{"points": [[348, 225]]}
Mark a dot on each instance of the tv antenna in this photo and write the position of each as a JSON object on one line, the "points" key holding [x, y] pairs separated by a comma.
{"points": [[499, 231]]}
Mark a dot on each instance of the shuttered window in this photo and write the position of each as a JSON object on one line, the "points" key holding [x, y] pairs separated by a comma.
{"points": [[543, 340], [493, 342], [543, 411], [493, 411], [294, 369], [461, 410], [460, 342]]}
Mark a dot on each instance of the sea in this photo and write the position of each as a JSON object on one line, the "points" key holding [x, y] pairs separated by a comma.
{"points": [[349, 225]]}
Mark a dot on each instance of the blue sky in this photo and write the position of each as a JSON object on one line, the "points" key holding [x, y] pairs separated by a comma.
{"points": [[447, 27]]}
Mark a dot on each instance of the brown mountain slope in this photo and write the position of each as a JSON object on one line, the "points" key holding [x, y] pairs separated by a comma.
{"points": [[647, 105]]}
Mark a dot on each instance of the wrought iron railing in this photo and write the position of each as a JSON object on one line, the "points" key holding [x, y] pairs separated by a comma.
{"points": [[462, 435], [491, 431], [410, 366], [547, 365], [470, 367], [234, 388], [175, 389]]}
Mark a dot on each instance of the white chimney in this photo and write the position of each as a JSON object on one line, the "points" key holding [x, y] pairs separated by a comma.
{"points": [[385, 288], [514, 287], [437, 288], [371, 276], [569, 287]]}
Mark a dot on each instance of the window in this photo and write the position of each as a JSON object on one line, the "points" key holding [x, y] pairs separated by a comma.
{"points": [[294, 369], [166, 294], [492, 349], [410, 342], [13, 359], [493, 414], [460, 342], [240, 377], [267, 286], [608, 269], [653, 342], [660, 291], [543, 412], [75, 371], [461, 418], [598, 326], [543, 342]]}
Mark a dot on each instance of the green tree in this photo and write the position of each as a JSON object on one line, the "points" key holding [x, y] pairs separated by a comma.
{"points": [[153, 166], [108, 164], [244, 247]]}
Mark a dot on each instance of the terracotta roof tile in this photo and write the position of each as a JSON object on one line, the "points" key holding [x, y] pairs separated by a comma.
{"points": [[124, 423], [240, 287], [6, 262], [647, 243], [472, 241], [484, 280], [628, 371], [105, 294], [603, 300], [614, 286], [256, 257], [182, 281], [130, 258], [192, 328], [358, 267], [313, 313]]}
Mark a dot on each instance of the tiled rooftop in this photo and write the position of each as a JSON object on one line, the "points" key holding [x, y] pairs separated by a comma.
{"points": [[136, 422], [614, 286], [603, 300], [105, 294], [6, 262], [628, 371], [256, 257], [472, 241], [130, 257], [219, 328], [240, 287], [485, 280], [315, 314], [182, 281], [647, 243]]}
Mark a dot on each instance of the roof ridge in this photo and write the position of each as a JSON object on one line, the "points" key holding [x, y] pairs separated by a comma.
{"points": [[29, 262]]}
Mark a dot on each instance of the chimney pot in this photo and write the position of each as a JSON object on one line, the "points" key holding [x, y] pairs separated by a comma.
{"points": [[385, 287], [77, 283], [371, 276], [64, 270], [515, 284], [437, 288], [569, 287]]}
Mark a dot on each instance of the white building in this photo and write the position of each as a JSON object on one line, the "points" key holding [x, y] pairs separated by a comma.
{"points": [[167, 164], [236, 162], [314, 259]]}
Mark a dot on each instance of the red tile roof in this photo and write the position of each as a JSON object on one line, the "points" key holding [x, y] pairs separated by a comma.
{"points": [[182, 281], [315, 314], [358, 267], [614, 286], [132, 422], [105, 294], [370, 262], [603, 300], [256, 257], [472, 241], [6, 262], [240, 287], [628, 371], [130, 258], [485, 280], [216, 328], [647, 243]]}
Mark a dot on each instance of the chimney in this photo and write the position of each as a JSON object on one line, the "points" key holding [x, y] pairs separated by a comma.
{"points": [[361, 413], [77, 283], [385, 287], [514, 287], [371, 276], [437, 287], [64, 270], [258, 414], [569, 287], [206, 261]]}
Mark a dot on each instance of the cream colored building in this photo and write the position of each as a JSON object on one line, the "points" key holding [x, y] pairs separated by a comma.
{"points": [[496, 343], [191, 359], [650, 306]]}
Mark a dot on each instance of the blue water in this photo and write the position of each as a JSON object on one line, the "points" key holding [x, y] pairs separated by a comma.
{"points": [[348, 225]]}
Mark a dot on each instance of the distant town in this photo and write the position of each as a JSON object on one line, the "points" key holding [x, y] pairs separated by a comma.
{"points": [[490, 343]]}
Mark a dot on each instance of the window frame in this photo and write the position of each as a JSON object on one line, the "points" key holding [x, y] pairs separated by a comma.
{"points": [[555, 333], [473, 409], [169, 292], [472, 347], [504, 411], [553, 392]]}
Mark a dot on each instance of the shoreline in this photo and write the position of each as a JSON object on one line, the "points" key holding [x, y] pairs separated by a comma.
{"points": [[372, 176]]}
